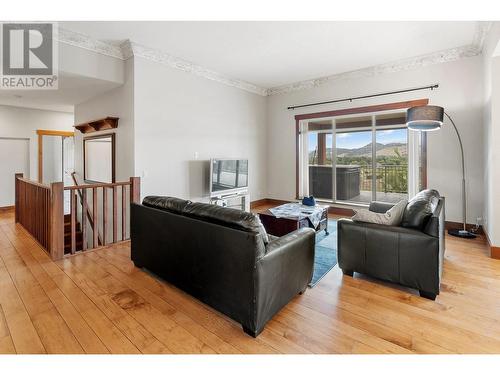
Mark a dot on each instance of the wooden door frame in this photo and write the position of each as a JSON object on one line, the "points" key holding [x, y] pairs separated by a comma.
{"points": [[41, 133], [352, 111]]}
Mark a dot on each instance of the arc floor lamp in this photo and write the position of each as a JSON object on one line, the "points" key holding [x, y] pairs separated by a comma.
{"points": [[428, 118]]}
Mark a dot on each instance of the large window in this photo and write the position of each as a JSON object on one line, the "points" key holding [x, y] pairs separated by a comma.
{"points": [[360, 158]]}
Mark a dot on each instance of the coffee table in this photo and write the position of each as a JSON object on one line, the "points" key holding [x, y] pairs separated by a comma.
{"points": [[279, 226]]}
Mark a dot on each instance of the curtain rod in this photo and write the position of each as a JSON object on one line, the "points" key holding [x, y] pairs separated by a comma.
{"points": [[430, 87]]}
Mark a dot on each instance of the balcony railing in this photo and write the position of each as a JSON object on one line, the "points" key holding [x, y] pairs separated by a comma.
{"points": [[351, 180], [389, 178]]}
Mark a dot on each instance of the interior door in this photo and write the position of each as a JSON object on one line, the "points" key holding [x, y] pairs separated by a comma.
{"points": [[16, 152]]}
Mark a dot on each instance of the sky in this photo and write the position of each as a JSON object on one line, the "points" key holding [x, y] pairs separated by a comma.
{"points": [[360, 139]]}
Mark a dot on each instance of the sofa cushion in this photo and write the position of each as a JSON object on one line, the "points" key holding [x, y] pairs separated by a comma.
{"points": [[380, 207], [391, 217], [172, 204], [230, 217], [419, 209]]}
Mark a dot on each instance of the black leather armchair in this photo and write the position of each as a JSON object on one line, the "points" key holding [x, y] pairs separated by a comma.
{"points": [[411, 254], [222, 257]]}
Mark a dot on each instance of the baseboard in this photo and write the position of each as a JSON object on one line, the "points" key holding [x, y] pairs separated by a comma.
{"points": [[7, 208], [494, 250], [257, 203], [457, 225], [276, 201], [266, 201], [342, 211]]}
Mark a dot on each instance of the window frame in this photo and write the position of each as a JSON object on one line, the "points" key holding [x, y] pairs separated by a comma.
{"points": [[300, 118]]}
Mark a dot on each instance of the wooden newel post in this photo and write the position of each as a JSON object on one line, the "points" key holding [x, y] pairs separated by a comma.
{"points": [[16, 199], [135, 189], [56, 244]]}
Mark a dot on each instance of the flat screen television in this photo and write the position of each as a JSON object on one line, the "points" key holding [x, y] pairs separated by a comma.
{"points": [[228, 176]]}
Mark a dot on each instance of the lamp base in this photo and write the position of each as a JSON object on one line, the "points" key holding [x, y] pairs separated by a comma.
{"points": [[461, 233]]}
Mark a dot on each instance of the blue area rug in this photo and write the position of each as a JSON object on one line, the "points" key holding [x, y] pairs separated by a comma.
{"points": [[325, 257]]}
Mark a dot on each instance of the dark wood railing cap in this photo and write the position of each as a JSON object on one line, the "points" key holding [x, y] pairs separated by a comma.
{"points": [[92, 186]]}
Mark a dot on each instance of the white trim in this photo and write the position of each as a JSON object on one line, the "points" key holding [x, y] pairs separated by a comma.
{"points": [[130, 49], [452, 54], [187, 66], [397, 66], [374, 157], [84, 41], [304, 159], [480, 34], [127, 50], [413, 150], [334, 159]]}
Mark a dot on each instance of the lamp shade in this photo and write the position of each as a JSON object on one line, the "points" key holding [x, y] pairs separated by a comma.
{"points": [[425, 117]]}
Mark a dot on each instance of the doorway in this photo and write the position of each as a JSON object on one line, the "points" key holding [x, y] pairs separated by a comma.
{"points": [[358, 158], [56, 159], [55, 156]]}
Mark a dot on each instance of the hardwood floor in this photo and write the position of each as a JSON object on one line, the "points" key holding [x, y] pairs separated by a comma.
{"points": [[99, 303]]}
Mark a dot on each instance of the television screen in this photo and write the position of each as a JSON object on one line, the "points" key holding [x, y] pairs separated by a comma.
{"points": [[228, 175]]}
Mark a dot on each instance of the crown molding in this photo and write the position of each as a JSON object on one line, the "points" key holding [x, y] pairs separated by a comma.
{"points": [[137, 50], [84, 41], [452, 54], [480, 34], [129, 49]]}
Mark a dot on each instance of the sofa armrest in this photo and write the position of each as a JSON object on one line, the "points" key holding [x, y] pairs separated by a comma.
{"points": [[343, 222], [380, 207], [282, 273], [293, 239]]}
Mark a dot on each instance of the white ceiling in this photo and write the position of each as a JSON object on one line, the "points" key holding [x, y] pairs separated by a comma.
{"points": [[271, 54]]}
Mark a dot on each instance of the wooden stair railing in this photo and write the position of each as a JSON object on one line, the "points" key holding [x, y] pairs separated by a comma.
{"points": [[118, 212], [40, 210], [67, 235], [89, 215]]}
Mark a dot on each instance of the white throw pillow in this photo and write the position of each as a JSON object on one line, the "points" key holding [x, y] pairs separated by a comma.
{"points": [[392, 217]]}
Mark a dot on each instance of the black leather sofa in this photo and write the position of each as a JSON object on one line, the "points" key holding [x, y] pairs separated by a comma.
{"points": [[222, 256], [411, 254]]}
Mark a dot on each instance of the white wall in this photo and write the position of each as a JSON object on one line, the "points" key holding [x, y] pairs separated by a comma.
{"points": [[99, 160], [52, 159], [118, 103], [23, 123], [182, 120], [460, 93], [491, 66], [14, 158], [83, 62]]}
